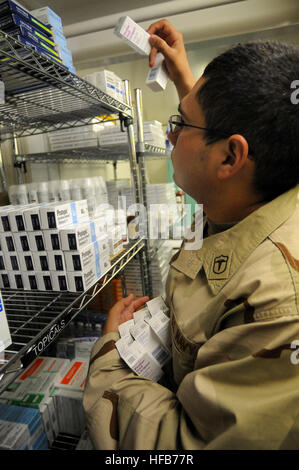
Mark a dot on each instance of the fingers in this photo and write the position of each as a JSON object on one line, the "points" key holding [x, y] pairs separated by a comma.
{"points": [[162, 27], [152, 56], [127, 313], [139, 302], [160, 45], [127, 300]]}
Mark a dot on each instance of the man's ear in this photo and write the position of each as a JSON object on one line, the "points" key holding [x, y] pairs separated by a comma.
{"points": [[236, 154]]}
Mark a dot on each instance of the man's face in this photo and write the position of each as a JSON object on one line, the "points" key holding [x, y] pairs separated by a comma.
{"points": [[191, 157]]}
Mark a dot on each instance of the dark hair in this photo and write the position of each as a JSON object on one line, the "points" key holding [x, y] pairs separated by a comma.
{"points": [[248, 92]]}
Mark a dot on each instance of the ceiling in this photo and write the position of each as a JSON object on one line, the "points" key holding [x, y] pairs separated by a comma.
{"points": [[89, 24], [71, 11]]}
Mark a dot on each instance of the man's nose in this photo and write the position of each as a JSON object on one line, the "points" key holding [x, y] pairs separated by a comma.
{"points": [[172, 138]]}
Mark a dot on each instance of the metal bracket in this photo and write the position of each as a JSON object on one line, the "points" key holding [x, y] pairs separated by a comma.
{"points": [[125, 122]]}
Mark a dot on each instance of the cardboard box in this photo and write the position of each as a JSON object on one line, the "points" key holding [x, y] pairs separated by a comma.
{"points": [[30, 281], [7, 242], [52, 240], [56, 261], [90, 255], [8, 7], [69, 410], [4, 219], [41, 260], [4, 281], [16, 279], [44, 281], [32, 216], [81, 281], [26, 262], [11, 261], [59, 281], [36, 241], [21, 242], [48, 17], [61, 215], [81, 235], [16, 218], [21, 428], [2, 262]]}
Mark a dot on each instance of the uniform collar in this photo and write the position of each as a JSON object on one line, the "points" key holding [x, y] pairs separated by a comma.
{"points": [[222, 254]]}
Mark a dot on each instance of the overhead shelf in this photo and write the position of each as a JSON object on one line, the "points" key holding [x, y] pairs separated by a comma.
{"points": [[108, 153], [36, 318], [42, 95]]}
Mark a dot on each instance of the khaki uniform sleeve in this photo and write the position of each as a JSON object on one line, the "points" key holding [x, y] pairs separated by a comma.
{"points": [[242, 394]]}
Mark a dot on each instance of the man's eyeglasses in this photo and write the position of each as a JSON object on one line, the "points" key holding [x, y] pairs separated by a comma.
{"points": [[176, 123]]}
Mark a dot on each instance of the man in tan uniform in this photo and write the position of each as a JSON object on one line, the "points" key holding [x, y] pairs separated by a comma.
{"points": [[234, 303]]}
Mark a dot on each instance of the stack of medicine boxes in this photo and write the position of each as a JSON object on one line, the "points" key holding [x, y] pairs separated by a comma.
{"points": [[52, 20], [52, 246], [27, 29]]}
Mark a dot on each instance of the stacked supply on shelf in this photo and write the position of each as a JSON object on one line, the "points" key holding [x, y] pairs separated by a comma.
{"points": [[28, 30], [53, 21], [108, 82], [113, 190], [159, 268], [33, 389], [153, 135], [74, 137], [55, 246], [51, 390], [21, 429], [68, 396]]}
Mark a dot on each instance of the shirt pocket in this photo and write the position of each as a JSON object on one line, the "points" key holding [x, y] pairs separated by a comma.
{"points": [[184, 351]]}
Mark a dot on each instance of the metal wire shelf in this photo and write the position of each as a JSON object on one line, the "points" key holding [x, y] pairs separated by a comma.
{"points": [[101, 153], [41, 93], [37, 318]]}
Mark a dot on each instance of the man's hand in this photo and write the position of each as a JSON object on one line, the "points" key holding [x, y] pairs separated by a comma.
{"points": [[122, 311], [166, 39]]}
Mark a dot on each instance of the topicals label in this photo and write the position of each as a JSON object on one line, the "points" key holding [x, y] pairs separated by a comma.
{"points": [[137, 358]]}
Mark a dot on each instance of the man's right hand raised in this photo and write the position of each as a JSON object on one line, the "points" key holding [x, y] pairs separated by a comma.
{"points": [[165, 38]]}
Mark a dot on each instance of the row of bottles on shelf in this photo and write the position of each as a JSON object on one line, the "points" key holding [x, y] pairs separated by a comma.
{"points": [[59, 190]]}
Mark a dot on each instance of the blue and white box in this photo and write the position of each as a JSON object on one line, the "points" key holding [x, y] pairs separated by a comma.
{"points": [[5, 338], [21, 428], [61, 215], [81, 235], [48, 17], [9, 7]]}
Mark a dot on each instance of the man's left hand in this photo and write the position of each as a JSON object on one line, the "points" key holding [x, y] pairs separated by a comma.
{"points": [[122, 311]]}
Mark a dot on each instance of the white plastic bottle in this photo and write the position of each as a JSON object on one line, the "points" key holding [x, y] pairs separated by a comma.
{"points": [[22, 194], [65, 190], [13, 194], [53, 188], [75, 187], [43, 192], [32, 192], [88, 193]]}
